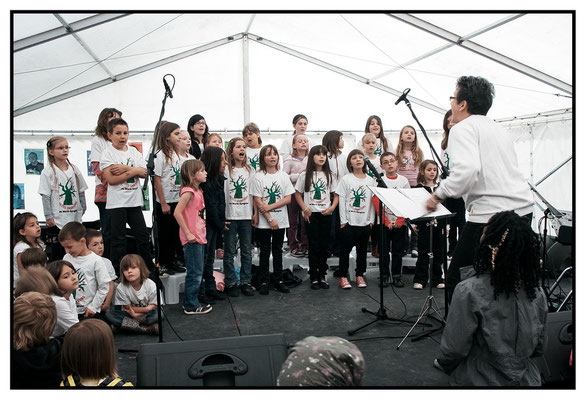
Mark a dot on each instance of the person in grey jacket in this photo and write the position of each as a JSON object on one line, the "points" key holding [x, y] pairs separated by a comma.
{"points": [[496, 328]]}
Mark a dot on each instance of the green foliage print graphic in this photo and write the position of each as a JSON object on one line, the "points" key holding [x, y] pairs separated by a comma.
{"points": [[318, 187], [358, 195], [82, 282], [273, 192], [177, 172], [239, 185], [129, 162], [68, 192], [253, 161]]}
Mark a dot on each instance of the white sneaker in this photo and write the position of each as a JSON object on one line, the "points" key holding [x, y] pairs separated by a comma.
{"points": [[414, 253], [417, 286], [440, 286]]}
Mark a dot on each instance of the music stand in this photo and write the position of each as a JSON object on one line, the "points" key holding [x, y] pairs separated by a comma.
{"points": [[381, 313], [430, 304]]}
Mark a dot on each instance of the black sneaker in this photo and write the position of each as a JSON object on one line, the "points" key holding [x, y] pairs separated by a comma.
{"points": [[176, 268], [203, 299], [164, 272], [233, 291], [397, 282], [203, 309], [264, 289], [280, 286], [315, 285], [246, 289], [214, 294], [324, 284]]}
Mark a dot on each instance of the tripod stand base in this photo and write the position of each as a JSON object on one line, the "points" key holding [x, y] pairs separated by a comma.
{"points": [[381, 315]]}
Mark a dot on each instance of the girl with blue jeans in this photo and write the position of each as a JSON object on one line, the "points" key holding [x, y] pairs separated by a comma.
{"points": [[240, 216], [192, 232]]}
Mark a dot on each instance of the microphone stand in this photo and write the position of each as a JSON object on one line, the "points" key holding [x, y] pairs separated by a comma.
{"points": [[445, 172], [381, 314], [151, 173]]}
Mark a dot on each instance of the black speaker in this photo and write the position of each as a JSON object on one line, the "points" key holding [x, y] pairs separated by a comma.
{"points": [[555, 364], [234, 361]]}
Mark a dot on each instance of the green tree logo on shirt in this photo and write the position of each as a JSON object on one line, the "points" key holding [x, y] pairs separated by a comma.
{"points": [[358, 195], [379, 150], [82, 282], [239, 185], [68, 192], [130, 163], [253, 161], [318, 187], [177, 172], [273, 193]]}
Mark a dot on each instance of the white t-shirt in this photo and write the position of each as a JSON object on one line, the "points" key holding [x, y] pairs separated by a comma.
{"points": [[128, 193], [66, 314], [93, 281], [110, 269], [318, 196], [170, 173], [239, 202], [355, 200], [18, 248], [64, 191], [399, 181], [147, 294], [272, 188], [338, 166], [99, 144], [252, 155]]}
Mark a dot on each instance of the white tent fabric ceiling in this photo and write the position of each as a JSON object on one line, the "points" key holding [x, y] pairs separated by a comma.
{"points": [[379, 47]]}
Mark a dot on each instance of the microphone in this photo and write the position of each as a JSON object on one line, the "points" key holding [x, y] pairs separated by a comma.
{"points": [[167, 88], [403, 97], [377, 176]]}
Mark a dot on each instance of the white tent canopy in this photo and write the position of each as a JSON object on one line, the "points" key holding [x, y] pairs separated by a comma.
{"points": [[336, 68]]}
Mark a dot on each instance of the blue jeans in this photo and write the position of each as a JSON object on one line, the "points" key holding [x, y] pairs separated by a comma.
{"points": [[242, 229], [193, 253], [209, 255], [115, 317]]}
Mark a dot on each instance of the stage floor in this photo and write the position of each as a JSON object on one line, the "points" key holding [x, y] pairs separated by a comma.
{"points": [[305, 312]]}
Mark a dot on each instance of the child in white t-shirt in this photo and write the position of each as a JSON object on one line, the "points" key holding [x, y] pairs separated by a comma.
{"points": [[251, 134], [66, 278], [95, 242], [312, 194], [241, 216], [62, 189], [26, 234], [123, 165], [356, 217], [272, 191], [92, 273], [137, 296]]}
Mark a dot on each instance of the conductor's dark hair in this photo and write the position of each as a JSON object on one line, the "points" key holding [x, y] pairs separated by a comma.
{"points": [[478, 93], [212, 159], [509, 251]]}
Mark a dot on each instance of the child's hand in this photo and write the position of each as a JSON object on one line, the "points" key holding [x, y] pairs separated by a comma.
{"points": [[105, 307], [165, 208], [342, 226], [255, 219], [89, 313], [51, 222], [274, 225], [227, 226], [119, 169], [307, 214], [191, 237], [328, 211]]}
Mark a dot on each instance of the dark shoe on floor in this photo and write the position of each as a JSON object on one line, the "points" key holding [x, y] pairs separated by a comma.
{"points": [[397, 282], [203, 309], [203, 299], [324, 284], [176, 268], [163, 270], [385, 282], [246, 289], [215, 295], [264, 289], [233, 291], [315, 285], [281, 287]]}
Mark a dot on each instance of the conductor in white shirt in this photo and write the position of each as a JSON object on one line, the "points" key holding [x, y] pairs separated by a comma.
{"points": [[483, 171]]}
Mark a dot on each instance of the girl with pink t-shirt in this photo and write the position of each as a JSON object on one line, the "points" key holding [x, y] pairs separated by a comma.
{"points": [[189, 214]]}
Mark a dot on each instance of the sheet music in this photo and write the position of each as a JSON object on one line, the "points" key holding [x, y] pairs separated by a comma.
{"points": [[408, 203]]}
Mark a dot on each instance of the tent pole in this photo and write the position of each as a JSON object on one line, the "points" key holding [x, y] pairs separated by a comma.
{"points": [[245, 80]]}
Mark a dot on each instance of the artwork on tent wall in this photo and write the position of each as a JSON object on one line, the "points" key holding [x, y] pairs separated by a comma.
{"points": [[34, 161], [18, 196], [90, 171], [145, 199]]}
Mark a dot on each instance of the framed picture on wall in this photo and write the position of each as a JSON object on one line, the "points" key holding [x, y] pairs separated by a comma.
{"points": [[136, 145], [34, 161], [18, 196], [90, 171]]}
